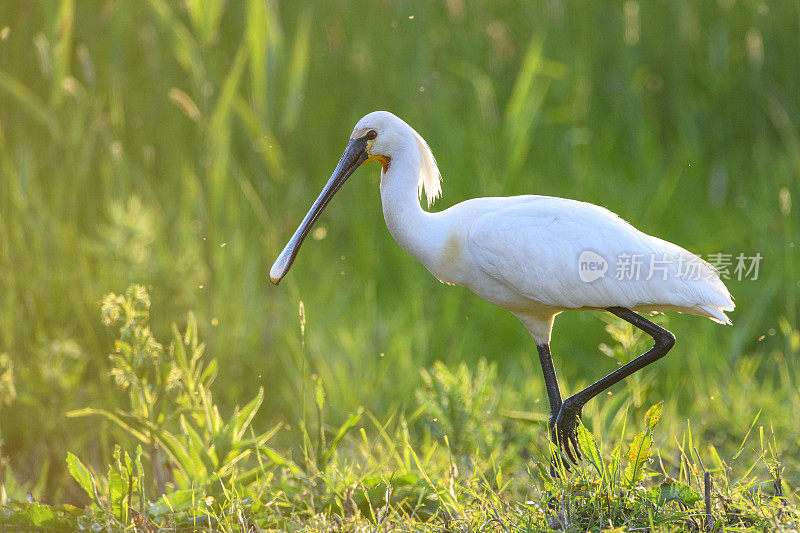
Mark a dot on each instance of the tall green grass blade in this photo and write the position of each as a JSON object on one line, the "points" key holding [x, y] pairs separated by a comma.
{"points": [[37, 109], [185, 47], [90, 411], [62, 49], [257, 33], [298, 71], [205, 16], [242, 418], [351, 421], [523, 106]]}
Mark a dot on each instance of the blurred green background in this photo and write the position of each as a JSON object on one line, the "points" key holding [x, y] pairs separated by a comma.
{"points": [[178, 145]]}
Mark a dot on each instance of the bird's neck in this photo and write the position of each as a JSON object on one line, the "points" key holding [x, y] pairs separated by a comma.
{"points": [[415, 230]]}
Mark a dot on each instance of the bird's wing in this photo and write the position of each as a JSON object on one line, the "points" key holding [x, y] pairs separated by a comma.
{"points": [[573, 254]]}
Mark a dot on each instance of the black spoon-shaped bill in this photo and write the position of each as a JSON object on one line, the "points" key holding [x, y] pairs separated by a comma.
{"points": [[354, 155]]}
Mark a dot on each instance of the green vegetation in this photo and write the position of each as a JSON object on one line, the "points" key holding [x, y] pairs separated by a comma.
{"points": [[171, 148]]}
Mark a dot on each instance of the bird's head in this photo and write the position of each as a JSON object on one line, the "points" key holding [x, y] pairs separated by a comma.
{"points": [[379, 136], [382, 134]]}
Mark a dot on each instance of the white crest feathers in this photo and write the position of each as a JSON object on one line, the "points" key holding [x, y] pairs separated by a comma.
{"points": [[429, 177]]}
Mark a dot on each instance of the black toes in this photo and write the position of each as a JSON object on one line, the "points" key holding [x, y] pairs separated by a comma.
{"points": [[564, 434], [573, 439]]}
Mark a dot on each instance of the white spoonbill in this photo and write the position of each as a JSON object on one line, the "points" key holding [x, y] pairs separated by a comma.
{"points": [[535, 256]]}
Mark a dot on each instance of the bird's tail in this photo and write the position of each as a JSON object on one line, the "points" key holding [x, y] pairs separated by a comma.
{"points": [[717, 314]]}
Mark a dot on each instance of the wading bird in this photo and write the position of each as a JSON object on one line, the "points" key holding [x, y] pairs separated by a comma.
{"points": [[535, 256]]}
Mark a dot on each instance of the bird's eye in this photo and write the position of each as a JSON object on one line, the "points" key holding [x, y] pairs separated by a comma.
{"points": [[371, 134]]}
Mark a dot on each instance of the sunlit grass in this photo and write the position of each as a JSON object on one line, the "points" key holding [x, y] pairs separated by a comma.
{"points": [[178, 145], [452, 462]]}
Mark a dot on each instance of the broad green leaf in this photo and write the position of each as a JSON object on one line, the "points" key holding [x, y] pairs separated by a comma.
{"points": [[40, 515], [172, 503], [590, 449], [673, 491], [653, 415], [82, 475], [117, 492], [638, 454], [117, 486]]}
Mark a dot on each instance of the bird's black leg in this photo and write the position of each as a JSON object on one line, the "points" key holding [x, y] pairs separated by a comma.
{"points": [[566, 421], [553, 393], [551, 383]]}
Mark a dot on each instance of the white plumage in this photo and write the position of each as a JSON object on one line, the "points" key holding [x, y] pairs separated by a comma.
{"points": [[522, 253], [535, 256], [533, 246]]}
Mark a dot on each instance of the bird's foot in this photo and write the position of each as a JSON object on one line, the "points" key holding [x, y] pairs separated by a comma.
{"points": [[564, 431]]}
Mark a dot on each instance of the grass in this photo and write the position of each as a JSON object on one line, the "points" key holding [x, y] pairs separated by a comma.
{"points": [[453, 463], [177, 147]]}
